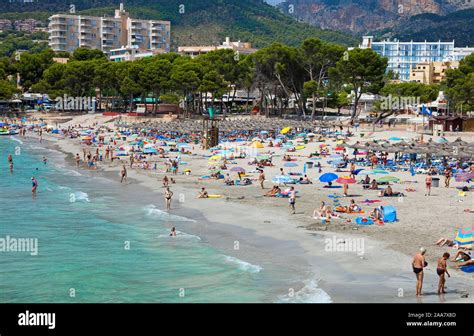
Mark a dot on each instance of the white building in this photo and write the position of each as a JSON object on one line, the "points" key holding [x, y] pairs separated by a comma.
{"points": [[67, 32], [402, 56]]}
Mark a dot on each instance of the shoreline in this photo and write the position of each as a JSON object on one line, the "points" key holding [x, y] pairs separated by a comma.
{"points": [[346, 277]]}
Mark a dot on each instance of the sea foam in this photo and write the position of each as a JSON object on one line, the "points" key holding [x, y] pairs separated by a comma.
{"points": [[243, 265], [151, 210], [310, 293]]}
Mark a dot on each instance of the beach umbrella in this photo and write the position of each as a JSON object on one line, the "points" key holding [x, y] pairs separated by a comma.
{"points": [[256, 144], [346, 180], [237, 170], [357, 171], [339, 148], [328, 177], [465, 237], [290, 164], [285, 130], [389, 178]]}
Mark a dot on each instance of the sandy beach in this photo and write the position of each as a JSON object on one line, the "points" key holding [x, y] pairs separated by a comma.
{"points": [[263, 231]]}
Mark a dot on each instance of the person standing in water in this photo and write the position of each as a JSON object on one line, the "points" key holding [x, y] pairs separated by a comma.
{"points": [[78, 159], [168, 196], [173, 232], [35, 185], [124, 174], [10, 162], [418, 264], [441, 269], [45, 160]]}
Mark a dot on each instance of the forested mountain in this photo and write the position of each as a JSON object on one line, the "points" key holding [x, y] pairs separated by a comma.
{"points": [[194, 22]]}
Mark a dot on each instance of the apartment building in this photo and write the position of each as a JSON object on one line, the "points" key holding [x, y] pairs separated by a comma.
{"points": [[68, 32], [431, 72], [404, 56], [239, 47]]}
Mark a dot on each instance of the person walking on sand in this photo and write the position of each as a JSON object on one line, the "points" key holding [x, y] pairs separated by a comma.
{"points": [[124, 174], [428, 181], [345, 189], [168, 196], [292, 195], [447, 176], [132, 159], [418, 264], [261, 179], [441, 269]]}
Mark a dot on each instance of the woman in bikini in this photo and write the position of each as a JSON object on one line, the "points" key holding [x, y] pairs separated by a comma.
{"points": [[428, 181], [441, 269], [168, 196]]}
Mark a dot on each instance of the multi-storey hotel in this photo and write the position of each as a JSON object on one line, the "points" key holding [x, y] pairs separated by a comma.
{"points": [[68, 32], [403, 56]]}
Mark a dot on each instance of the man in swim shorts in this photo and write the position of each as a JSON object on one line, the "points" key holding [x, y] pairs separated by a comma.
{"points": [[418, 264]]}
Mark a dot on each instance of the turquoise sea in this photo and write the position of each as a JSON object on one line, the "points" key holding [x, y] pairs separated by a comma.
{"points": [[102, 244], [100, 241]]}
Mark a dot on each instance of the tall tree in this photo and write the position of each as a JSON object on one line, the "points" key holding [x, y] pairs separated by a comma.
{"points": [[364, 69]]}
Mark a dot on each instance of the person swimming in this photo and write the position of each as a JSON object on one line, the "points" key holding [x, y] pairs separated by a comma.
{"points": [[173, 232]]}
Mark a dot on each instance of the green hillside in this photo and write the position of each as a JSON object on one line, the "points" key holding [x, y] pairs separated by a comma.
{"points": [[203, 21]]}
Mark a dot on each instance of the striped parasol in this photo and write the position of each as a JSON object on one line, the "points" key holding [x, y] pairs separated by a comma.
{"points": [[465, 237]]}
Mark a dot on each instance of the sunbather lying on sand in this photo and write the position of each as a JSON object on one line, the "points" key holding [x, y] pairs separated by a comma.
{"points": [[462, 256], [273, 192], [445, 242], [466, 263], [321, 211]]}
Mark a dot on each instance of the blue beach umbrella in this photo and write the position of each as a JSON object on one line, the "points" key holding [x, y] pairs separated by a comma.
{"points": [[328, 177]]}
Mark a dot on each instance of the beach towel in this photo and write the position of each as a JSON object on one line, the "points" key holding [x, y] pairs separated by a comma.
{"points": [[364, 221], [332, 187], [410, 190], [367, 201], [469, 210], [334, 196], [468, 269]]}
